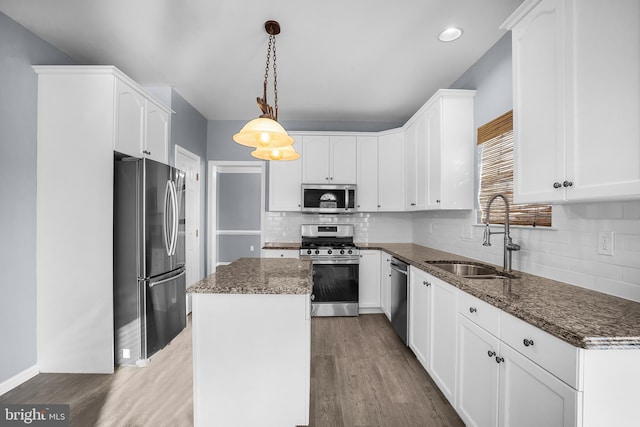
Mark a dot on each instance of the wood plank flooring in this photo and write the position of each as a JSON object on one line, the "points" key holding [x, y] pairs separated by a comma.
{"points": [[361, 375]]}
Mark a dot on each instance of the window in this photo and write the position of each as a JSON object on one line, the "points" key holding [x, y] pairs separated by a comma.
{"points": [[496, 177]]}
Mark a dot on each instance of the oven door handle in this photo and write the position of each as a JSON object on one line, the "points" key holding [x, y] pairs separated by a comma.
{"points": [[335, 261]]}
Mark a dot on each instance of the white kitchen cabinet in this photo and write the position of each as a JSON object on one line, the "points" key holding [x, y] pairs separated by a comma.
{"points": [[142, 126], [450, 147], [391, 177], [285, 179], [416, 168], [280, 253], [477, 390], [433, 315], [367, 182], [385, 283], [369, 280], [530, 396], [419, 318], [443, 318], [575, 124], [329, 159]]}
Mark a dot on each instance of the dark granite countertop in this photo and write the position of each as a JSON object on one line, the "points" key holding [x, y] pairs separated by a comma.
{"points": [[579, 316], [258, 276]]}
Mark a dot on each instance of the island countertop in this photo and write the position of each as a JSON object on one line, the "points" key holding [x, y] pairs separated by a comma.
{"points": [[258, 276]]}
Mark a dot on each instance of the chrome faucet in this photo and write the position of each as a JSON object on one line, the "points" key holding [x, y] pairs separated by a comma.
{"points": [[509, 246]]}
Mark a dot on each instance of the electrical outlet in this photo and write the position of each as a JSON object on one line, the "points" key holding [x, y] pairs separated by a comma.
{"points": [[605, 243], [126, 353], [251, 248]]}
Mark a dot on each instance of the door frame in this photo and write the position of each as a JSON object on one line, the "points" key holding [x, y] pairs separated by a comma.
{"points": [[212, 225], [195, 217]]}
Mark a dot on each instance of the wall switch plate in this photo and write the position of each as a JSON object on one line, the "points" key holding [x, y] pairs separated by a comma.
{"points": [[605, 243], [126, 353]]}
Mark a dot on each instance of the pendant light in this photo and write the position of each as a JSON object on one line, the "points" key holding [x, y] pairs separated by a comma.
{"points": [[265, 133]]}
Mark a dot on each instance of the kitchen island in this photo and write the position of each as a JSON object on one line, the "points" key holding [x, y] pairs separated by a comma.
{"points": [[252, 344]]}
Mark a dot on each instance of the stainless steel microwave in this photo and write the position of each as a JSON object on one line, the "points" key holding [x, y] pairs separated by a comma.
{"points": [[328, 198]]}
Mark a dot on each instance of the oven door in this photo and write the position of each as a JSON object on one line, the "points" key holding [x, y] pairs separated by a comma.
{"points": [[335, 287]]}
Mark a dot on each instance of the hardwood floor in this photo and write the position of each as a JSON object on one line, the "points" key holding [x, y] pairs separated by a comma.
{"points": [[361, 375]]}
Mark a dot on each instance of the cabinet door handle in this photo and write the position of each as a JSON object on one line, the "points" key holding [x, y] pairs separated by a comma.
{"points": [[326, 178], [567, 184], [557, 185], [437, 201], [527, 342], [413, 204], [499, 359], [472, 309], [491, 353], [424, 282], [146, 152]]}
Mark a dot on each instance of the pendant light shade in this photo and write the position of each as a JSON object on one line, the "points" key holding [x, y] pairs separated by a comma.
{"points": [[278, 153], [263, 132]]}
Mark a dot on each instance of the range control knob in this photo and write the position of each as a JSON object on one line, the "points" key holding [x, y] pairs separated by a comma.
{"points": [[317, 252], [308, 251], [350, 252], [329, 251], [341, 251]]}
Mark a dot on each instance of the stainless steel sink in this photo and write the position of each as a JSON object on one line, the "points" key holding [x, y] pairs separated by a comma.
{"points": [[471, 271]]}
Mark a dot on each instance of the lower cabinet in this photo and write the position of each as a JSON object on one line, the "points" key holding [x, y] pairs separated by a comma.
{"points": [[369, 280], [530, 396], [432, 328], [385, 283]]}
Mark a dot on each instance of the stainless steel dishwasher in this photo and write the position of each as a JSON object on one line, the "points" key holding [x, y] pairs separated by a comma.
{"points": [[398, 296]]}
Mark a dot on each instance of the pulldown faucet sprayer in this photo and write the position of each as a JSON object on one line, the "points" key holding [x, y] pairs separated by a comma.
{"points": [[509, 246]]}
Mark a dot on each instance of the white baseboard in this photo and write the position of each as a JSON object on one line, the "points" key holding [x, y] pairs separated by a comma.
{"points": [[18, 379], [369, 310]]}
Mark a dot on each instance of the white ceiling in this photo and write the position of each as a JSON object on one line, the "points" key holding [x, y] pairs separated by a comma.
{"points": [[338, 60]]}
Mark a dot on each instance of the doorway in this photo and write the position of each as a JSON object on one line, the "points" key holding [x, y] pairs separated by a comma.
{"points": [[190, 164], [236, 211]]}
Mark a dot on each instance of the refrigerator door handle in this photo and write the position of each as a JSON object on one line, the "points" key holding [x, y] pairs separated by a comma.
{"points": [[165, 225], [174, 234], [168, 279]]}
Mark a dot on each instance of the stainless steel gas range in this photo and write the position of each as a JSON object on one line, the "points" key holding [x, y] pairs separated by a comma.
{"points": [[335, 260]]}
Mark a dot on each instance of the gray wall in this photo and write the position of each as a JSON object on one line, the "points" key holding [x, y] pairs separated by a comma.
{"points": [[19, 49]]}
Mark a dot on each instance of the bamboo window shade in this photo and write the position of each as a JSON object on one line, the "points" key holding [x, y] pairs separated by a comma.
{"points": [[496, 177]]}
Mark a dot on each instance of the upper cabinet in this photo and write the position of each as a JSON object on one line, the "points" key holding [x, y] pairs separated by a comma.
{"points": [[391, 177], [450, 146], [285, 182], [576, 102], [439, 146], [329, 159], [142, 125], [367, 182]]}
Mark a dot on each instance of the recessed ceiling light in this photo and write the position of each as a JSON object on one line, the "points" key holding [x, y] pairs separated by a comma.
{"points": [[450, 34]]}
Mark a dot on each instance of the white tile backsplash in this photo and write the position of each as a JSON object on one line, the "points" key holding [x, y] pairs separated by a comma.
{"points": [[568, 252], [368, 227]]}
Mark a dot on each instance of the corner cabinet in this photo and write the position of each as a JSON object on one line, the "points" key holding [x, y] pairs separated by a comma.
{"points": [[576, 102], [391, 177], [142, 125], [285, 179], [367, 182], [79, 117]]}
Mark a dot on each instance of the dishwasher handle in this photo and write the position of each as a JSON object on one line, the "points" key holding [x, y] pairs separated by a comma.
{"points": [[399, 269]]}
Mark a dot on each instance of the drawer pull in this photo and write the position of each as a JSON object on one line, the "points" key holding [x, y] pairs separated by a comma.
{"points": [[491, 353], [527, 342], [472, 309], [499, 359], [424, 282]]}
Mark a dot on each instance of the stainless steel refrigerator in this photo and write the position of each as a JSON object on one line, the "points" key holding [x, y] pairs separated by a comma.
{"points": [[149, 258]]}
